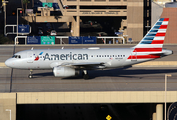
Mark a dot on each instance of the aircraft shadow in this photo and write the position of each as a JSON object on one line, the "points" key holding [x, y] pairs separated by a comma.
{"points": [[128, 73], [120, 72]]}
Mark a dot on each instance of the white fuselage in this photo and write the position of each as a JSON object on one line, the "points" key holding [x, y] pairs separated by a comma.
{"points": [[49, 58]]}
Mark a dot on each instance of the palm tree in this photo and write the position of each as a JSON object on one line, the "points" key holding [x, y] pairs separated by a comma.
{"points": [[26, 3], [32, 3], [22, 7]]}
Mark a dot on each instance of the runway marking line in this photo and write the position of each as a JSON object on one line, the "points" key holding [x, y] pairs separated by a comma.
{"points": [[2, 65], [158, 63]]}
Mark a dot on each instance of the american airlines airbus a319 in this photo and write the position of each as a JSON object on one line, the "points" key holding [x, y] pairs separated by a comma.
{"points": [[69, 62]]}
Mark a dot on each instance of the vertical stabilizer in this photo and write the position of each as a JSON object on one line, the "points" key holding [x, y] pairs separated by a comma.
{"points": [[154, 39]]}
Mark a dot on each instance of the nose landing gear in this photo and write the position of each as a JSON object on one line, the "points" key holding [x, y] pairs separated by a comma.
{"points": [[30, 75]]}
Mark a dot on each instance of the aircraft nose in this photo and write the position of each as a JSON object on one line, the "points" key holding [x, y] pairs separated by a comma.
{"points": [[8, 62]]}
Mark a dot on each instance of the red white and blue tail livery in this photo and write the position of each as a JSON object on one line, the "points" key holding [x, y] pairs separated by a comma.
{"points": [[150, 47], [69, 62]]}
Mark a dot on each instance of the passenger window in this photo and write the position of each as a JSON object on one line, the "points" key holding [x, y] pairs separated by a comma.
{"points": [[100, 55], [124, 56], [118, 55], [121, 55], [113, 56], [107, 55]]}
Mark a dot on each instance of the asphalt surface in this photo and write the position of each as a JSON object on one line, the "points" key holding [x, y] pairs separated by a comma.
{"points": [[130, 79]]}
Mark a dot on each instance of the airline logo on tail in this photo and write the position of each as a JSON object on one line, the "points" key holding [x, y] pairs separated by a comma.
{"points": [[152, 42], [157, 34]]}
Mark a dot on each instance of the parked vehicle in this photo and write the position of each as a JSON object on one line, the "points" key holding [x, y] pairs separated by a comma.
{"points": [[48, 31], [40, 32], [53, 32]]}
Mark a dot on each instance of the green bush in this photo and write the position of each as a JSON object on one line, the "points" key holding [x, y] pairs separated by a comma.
{"points": [[5, 40]]}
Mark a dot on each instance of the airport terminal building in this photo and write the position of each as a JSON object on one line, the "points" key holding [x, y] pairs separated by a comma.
{"points": [[129, 18], [132, 18]]}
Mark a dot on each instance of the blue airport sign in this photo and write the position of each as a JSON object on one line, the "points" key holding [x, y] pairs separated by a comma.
{"points": [[89, 40], [55, 6], [75, 40], [23, 29], [33, 40]]}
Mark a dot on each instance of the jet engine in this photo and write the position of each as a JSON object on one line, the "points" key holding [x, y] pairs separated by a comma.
{"points": [[61, 71]]}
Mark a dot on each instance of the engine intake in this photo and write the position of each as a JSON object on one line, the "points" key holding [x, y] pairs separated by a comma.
{"points": [[61, 71]]}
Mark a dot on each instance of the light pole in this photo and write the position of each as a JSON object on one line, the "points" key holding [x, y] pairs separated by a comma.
{"points": [[17, 23], [166, 75], [4, 4], [10, 112]]}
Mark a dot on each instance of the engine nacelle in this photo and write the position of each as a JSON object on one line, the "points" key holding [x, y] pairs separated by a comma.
{"points": [[61, 71]]}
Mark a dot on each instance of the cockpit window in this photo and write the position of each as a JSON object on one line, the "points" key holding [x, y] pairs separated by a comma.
{"points": [[16, 56]]}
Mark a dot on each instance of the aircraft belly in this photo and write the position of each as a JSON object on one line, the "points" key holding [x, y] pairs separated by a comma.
{"points": [[114, 63]]}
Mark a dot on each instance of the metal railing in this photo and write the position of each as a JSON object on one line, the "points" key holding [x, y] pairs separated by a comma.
{"points": [[104, 39], [14, 31]]}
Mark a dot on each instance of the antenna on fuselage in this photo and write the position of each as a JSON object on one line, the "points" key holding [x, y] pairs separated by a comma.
{"points": [[32, 48]]}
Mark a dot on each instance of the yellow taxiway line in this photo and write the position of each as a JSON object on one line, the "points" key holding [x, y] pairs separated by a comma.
{"points": [[2, 64], [157, 64]]}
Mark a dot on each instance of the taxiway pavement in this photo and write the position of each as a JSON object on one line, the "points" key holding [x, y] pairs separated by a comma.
{"points": [[130, 79]]}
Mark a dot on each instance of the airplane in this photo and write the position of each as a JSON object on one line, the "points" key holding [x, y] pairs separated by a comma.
{"points": [[70, 62]]}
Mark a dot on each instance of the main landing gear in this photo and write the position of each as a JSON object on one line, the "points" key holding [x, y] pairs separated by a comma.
{"points": [[85, 75], [30, 75]]}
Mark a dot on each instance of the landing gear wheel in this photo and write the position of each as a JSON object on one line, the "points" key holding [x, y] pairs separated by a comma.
{"points": [[86, 77], [30, 76]]}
